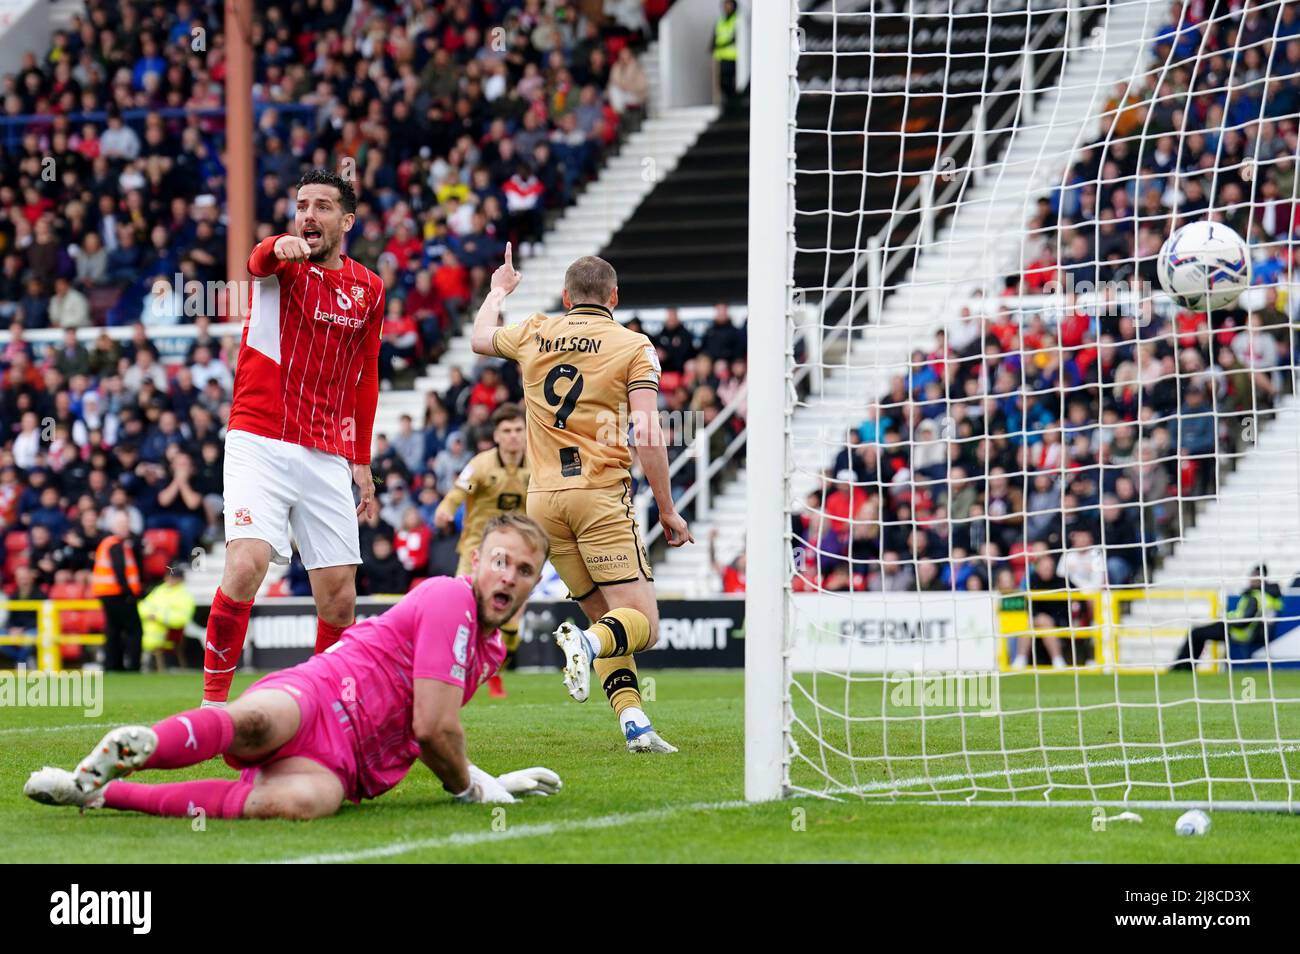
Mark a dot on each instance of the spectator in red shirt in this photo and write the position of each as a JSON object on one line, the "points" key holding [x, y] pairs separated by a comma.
{"points": [[487, 391], [401, 341], [1074, 328], [524, 193], [405, 246], [11, 490], [451, 282], [733, 574], [413, 543], [422, 306], [842, 501], [22, 374], [1038, 273]]}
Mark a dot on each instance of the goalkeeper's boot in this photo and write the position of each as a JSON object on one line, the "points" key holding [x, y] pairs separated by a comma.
{"points": [[119, 753], [643, 738], [577, 660], [56, 786]]}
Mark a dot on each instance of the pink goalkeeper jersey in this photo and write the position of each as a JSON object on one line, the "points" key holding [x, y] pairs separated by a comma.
{"points": [[432, 633]]}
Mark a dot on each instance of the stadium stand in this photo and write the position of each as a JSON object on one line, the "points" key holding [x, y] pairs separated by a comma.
{"points": [[468, 125], [1091, 429]]}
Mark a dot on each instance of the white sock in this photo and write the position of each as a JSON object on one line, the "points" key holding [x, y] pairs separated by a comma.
{"points": [[593, 645], [635, 715], [211, 704]]}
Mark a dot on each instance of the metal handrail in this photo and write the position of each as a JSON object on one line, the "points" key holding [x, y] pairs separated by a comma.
{"points": [[976, 126], [700, 455]]}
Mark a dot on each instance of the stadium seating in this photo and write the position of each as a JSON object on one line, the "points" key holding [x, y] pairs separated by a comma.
{"points": [[509, 134], [891, 514]]}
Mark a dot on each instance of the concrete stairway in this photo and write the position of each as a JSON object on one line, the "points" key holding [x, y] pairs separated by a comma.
{"points": [[585, 228], [1255, 517], [980, 243]]}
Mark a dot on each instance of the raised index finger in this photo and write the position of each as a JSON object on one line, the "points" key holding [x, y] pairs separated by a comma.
{"points": [[509, 260]]}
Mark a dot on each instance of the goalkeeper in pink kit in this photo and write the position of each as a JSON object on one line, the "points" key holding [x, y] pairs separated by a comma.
{"points": [[347, 723]]}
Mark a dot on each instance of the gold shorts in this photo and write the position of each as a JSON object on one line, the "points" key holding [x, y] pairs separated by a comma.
{"points": [[594, 537]]}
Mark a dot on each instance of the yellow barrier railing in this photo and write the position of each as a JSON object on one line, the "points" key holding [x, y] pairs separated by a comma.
{"points": [[1108, 630], [50, 638]]}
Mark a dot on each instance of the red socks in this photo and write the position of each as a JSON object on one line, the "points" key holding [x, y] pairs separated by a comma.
{"points": [[189, 738], [227, 627], [215, 797], [327, 635]]}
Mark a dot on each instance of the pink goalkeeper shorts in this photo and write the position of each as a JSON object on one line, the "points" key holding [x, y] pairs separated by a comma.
{"points": [[320, 736]]}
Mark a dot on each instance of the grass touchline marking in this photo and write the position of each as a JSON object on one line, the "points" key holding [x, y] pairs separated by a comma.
{"points": [[469, 839], [63, 728]]}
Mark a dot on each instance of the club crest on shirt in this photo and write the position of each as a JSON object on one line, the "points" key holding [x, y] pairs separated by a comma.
{"points": [[359, 295], [243, 518]]}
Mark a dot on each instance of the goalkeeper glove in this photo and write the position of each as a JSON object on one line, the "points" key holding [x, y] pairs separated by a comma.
{"points": [[531, 781], [484, 788]]}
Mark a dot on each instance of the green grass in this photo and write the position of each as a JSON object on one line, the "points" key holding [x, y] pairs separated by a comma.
{"points": [[686, 807]]}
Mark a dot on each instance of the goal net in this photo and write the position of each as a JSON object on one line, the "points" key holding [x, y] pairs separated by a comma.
{"points": [[1039, 522]]}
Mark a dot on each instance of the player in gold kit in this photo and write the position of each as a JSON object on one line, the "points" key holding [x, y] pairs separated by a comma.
{"points": [[585, 377], [493, 482]]}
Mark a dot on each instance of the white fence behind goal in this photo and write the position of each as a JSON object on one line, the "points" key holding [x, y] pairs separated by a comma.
{"points": [[1000, 484]]}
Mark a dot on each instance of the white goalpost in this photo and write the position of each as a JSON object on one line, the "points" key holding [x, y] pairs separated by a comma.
{"points": [[771, 257], [1021, 528]]}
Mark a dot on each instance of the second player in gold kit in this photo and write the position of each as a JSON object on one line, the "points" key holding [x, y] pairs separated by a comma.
{"points": [[492, 483], [587, 382]]}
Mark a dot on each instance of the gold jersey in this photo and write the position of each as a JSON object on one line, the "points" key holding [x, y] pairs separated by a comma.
{"points": [[577, 370], [488, 486]]}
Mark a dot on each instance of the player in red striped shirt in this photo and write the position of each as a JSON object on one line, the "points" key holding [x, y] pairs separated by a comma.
{"points": [[306, 387]]}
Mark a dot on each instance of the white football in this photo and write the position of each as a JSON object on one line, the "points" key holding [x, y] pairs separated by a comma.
{"points": [[1204, 266], [1194, 822]]}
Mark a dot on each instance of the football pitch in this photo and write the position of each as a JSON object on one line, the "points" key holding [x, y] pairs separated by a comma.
{"points": [[688, 807]]}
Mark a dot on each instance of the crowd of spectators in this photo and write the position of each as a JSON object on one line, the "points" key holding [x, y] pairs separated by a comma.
{"points": [[466, 124], [1046, 437]]}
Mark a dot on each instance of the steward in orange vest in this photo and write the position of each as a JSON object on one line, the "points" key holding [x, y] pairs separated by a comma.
{"points": [[116, 582], [116, 570]]}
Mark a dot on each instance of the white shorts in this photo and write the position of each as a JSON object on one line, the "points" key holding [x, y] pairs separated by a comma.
{"points": [[274, 486]]}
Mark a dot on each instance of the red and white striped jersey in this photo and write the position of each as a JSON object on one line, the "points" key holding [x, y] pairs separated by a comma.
{"points": [[308, 368]]}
